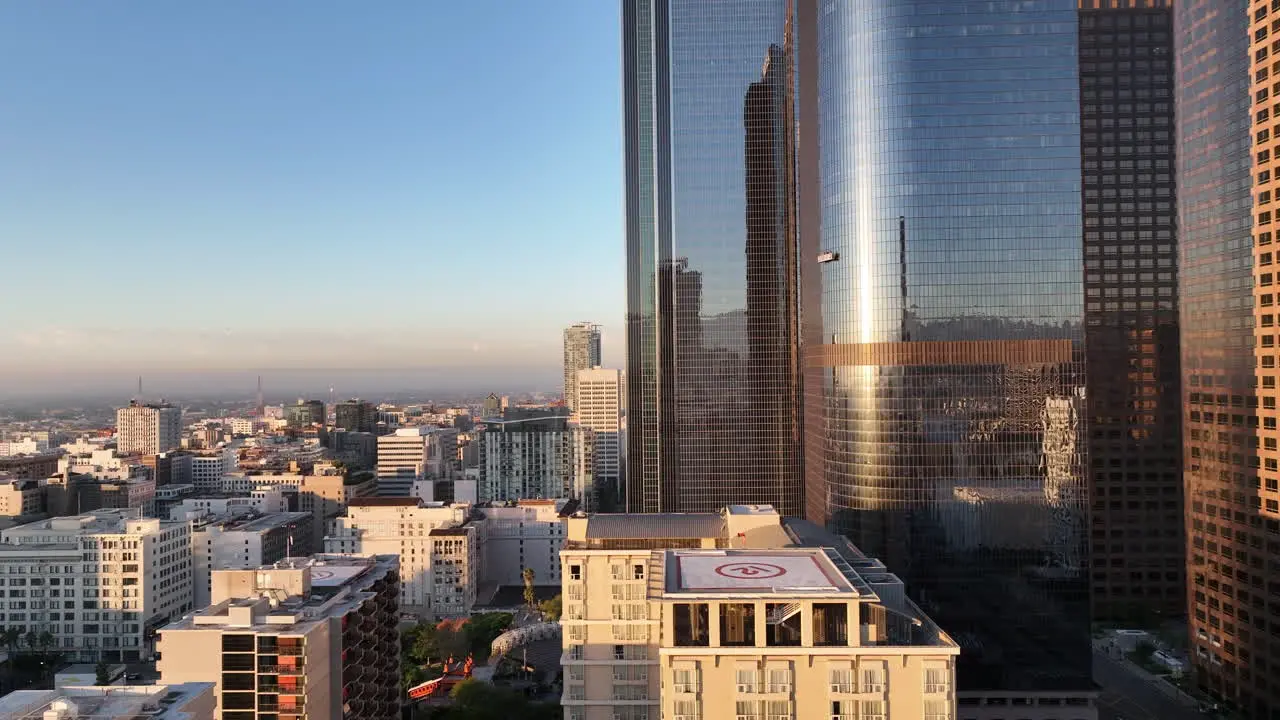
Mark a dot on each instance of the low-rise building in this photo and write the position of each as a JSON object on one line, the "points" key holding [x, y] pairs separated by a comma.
{"points": [[207, 469], [20, 498], [310, 637], [30, 467], [99, 582], [261, 499], [741, 615], [230, 541], [181, 701], [439, 570]]}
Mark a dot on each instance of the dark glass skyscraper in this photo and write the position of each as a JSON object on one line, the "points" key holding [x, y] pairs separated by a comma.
{"points": [[1131, 309], [952, 398], [713, 365]]}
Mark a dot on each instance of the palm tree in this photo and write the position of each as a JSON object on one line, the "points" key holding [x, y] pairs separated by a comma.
{"points": [[32, 639], [530, 597], [45, 641], [11, 638]]}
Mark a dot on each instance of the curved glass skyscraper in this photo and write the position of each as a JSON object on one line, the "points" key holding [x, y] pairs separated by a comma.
{"points": [[951, 355]]}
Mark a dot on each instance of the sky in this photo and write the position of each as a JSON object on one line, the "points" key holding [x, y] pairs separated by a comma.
{"points": [[192, 190]]}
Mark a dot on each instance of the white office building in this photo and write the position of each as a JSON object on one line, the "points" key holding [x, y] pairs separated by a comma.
{"points": [[148, 429], [207, 470], [229, 542], [599, 410], [414, 453], [439, 557], [525, 534], [99, 582]]}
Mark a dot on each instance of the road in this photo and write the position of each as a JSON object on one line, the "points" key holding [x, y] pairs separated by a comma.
{"points": [[1130, 694]]}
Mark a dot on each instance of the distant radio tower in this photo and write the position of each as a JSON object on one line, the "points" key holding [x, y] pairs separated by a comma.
{"points": [[138, 397], [262, 408]]}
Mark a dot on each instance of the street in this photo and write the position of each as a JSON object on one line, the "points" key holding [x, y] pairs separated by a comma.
{"points": [[1129, 694]]}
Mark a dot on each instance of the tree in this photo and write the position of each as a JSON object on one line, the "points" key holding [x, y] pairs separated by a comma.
{"points": [[32, 639], [475, 700], [452, 639], [530, 598], [45, 641], [102, 672], [552, 608], [11, 637]]}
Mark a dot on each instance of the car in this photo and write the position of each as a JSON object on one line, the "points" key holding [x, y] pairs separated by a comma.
{"points": [[133, 677]]}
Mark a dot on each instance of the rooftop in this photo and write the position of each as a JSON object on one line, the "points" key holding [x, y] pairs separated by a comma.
{"points": [[376, 501], [635, 526], [154, 702], [731, 572], [256, 523]]}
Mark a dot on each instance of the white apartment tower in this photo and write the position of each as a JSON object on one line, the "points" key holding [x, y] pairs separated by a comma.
{"points": [[100, 582], [581, 351], [148, 429], [599, 409]]}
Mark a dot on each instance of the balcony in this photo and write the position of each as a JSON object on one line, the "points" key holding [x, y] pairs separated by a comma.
{"points": [[281, 669], [289, 650], [937, 688]]}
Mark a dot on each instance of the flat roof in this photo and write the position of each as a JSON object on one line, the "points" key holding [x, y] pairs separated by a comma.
{"points": [[335, 575], [804, 570], [384, 501], [634, 526]]}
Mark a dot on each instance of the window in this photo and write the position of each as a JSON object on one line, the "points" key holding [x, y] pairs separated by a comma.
{"points": [[937, 710], [844, 710], [747, 679], [737, 624], [873, 679], [872, 710], [575, 572], [747, 710], [779, 680], [687, 710], [685, 680], [842, 681], [691, 624], [937, 680], [778, 710], [830, 624]]}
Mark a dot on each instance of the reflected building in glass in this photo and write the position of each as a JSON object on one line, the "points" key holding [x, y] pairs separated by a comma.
{"points": [[950, 417], [712, 357]]}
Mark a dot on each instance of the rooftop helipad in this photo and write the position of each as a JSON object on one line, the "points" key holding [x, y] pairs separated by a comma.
{"points": [[753, 571]]}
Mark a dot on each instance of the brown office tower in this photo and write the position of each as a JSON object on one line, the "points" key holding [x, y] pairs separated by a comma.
{"points": [[1137, 552], [1229, 386]]}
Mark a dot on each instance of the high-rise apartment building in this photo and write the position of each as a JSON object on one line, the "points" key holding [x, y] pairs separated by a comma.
{"points": [[712, 358], [535, 457], [304, 638], [741, 614], [355, 416], [1226, 170], [148, 429], [100, 583], [599, 392], [581, 351], [1137, 547]]}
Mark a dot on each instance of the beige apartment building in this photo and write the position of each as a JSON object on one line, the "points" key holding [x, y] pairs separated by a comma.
{"points": [[741, 615], [304, 639]]}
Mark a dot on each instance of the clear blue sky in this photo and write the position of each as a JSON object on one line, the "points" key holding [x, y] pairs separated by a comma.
{"points": [[241, 185]]}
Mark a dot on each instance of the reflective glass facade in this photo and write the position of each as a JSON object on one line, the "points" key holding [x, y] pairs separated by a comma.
{"points": [[1233, 550], [1131, 310], [712, 353], [952, 359]]}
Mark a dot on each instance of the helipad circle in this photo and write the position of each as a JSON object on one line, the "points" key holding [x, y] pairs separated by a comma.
{"points": [[750, 570], [321, 574]]}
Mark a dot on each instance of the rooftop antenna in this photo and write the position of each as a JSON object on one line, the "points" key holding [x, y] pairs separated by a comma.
{"points": [[261, 408], [138, 398]]}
